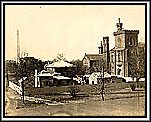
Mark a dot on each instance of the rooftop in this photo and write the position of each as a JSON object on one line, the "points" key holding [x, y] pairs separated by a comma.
{"points": [[59, 64], [61, 77], [94, 56]]}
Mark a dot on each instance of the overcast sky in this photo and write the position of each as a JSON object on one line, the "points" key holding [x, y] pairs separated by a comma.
{"points": [[46, 30]]}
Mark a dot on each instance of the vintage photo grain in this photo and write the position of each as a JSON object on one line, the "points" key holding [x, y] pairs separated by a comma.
{"points": [[75, 60]]}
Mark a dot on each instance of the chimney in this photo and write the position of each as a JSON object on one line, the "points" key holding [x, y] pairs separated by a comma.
{"points": [[18, 48]]}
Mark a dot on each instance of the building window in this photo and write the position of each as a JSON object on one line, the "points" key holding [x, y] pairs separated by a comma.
{"points": [[127, 53], [46, 83], [119, 42], [134, 41], [112, 58], [85, 61], [118, 71], [130, 41], [119, 57]]}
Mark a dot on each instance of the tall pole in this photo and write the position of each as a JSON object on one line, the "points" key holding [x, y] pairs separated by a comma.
{"points": [[23, 90], [22, 81]]}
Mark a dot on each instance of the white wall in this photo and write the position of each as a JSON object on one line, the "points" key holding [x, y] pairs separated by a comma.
{"points": [[93, 77], [15, 87]]}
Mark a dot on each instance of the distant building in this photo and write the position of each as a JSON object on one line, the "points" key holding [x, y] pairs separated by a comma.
{"points": [[93, 79], [47, 79], [55, 74], [117, 60], [90, 59], [62, 67], [126, 44]]}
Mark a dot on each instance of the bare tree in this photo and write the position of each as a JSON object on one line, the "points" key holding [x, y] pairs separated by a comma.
{"points": [[98, 66], [136, 63], [60, 57]]}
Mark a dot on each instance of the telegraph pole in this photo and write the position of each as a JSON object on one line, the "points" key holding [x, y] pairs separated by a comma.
{"points": [[23, 90], [22, 66]]}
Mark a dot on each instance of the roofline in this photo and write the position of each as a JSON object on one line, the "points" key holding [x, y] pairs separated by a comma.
{"points": [[92, 55]]}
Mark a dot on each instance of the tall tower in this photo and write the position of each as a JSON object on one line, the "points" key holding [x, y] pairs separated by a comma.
{"points": [[18, 48], [106, 52], [126, 43], [101, 48], [105, 44]]}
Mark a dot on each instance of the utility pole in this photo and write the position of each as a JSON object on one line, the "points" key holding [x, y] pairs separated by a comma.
{"points": [[23, 90], [22, 67]]}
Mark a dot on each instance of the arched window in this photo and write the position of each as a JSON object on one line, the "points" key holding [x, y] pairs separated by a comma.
{"points": [[119, 56], [119, 42], [118, 71]]}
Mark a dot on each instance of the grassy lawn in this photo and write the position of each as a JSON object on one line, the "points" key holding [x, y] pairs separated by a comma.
{"points": [[94, 106], [88, 89], [120, 100]]}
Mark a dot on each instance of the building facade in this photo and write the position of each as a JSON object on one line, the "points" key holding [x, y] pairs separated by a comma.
{"points": [[126, 46], [125, 56], [89, 59]]}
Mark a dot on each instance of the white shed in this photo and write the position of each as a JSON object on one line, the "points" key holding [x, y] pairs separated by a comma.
{"points": [[94, 77]]}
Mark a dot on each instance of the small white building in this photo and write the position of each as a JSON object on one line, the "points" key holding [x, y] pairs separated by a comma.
{"points": [[93, 79]]}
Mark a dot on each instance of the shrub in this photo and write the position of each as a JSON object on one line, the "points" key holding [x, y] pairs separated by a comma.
{"points": [[142, 85], [133, 86], [73, 90]]}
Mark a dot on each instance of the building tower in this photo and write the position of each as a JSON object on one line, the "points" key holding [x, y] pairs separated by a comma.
{"points": [[105, 44], [126, 43], [101, 48], [106, 52], [18, 48]]}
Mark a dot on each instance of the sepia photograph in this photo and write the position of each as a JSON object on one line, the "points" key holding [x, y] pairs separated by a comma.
{"points": [[75, 60]]}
